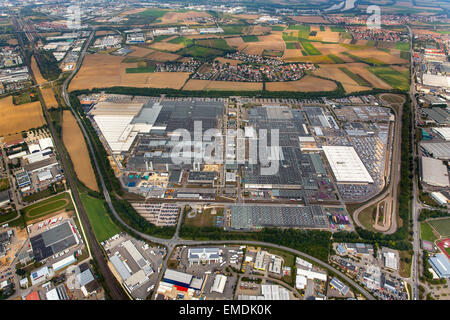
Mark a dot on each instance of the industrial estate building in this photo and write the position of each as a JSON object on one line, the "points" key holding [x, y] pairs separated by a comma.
{"points": [[434, 172], [441, 265]]}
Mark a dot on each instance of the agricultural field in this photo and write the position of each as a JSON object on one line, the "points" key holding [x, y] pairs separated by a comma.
{"points": [[394, 78], [200, 52], [205, 85], [250, 38], [37, 73], [15, 119], [442, 226], [183, 17], [308, 19], [108, 71], [76, 147], [139, 52], [49, 97], [220, 44], [48, 207], [102, 224], [306, 84], [309, 48]]}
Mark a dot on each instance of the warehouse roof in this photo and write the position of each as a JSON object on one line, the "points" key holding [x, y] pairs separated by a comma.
{"points": [[346, 164], [444, 132], [177, 276], [439, 150], [441, 265], [434, 172]]}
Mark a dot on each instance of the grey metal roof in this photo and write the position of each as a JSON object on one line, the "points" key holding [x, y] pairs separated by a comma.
{"points": [[85, 277], [120, 267]]}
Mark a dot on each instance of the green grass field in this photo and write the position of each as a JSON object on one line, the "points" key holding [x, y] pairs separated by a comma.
{"points": [[48, 206], [335, 58], [402, 46], [233, 29], [250, 38], [277, 28], [394, 78], [182, 40], [102, 224], [160, 38], [154, 13], [356, 77], [303, 30], [140, 70], [442, 226], [4, 184], [322, 28], [8, 216], [200, 52], [220, 44], [291, 45], [337, 29], [310, 49], [426, 232]]}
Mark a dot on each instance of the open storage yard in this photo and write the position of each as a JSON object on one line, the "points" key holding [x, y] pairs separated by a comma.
{"points": [[15, 119], [76, 146]]}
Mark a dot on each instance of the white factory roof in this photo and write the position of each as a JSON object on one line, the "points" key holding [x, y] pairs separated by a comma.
{"points": [[219, 283], [310, 274], [117, 131], [300, 282], [443, 132], [346, 164], [135, 254], [390, 260], [45, 143], [434, 172], [52, 295], [436, 80]]}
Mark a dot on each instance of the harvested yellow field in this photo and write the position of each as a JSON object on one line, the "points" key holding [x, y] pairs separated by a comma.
{"points": [[236, 42], [327, 36], [15, 119], [49, 97], [194, 84], [37, 73], [167, 46], [132, 11], [259, 30], [378, 55], [163, 56], [184, 17], [139, 52], [292, 54], [311, 59], [76, 146], [307, 83], [246, 16], [108, 71], [332, 71], [308, 19], [273, 41], [329, 48], [231, 62]]}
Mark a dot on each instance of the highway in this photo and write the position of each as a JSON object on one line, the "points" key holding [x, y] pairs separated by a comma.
{"points": [[175, 240]]}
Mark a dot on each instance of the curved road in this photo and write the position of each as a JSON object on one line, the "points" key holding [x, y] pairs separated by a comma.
{"points": [[171, 243]]}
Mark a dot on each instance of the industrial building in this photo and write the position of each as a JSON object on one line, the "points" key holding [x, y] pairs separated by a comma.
{"points": [[440, 198], [268, 292], [440, 265], [182, 280], [339, 286], [54, 240], [390, 259], [250, 217], [346, 165], [434, 172], [437, 114], [359, 248], [204, 255], [434, 80], [311, 274], [443, 132], [438, 150], [219, 283]]}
